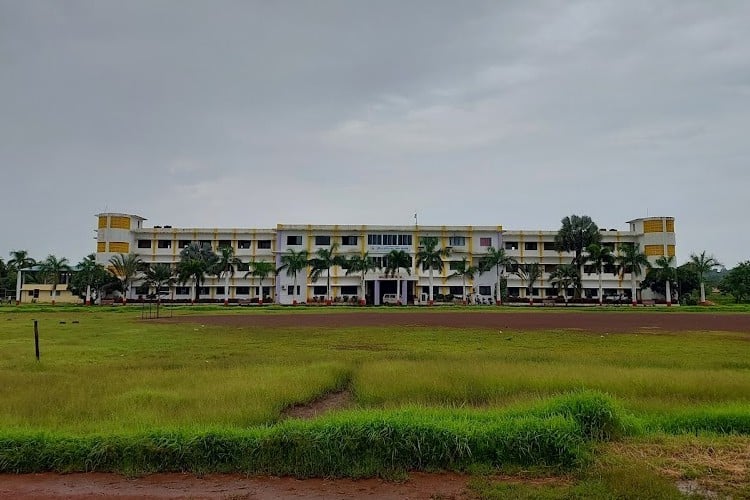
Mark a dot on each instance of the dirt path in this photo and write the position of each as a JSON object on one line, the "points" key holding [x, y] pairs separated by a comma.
{"points": [[329, 402], [598, 322], [227, 486]]}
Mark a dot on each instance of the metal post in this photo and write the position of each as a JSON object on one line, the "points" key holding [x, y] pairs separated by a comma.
{"points": [[36, 338]]}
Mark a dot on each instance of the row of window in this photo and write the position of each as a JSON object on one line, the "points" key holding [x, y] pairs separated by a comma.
{"points": [[548, 246], [241, 244], [296, 240]]}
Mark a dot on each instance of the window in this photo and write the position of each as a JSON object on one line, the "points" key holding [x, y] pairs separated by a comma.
{"points": [[348, 240], [320, 290], [141, 290], [550, 268], [183, 243], [243, 267], [205, 243], [182, 290], [457, 241], [294, 240], [530, 245], [264, 244], [164, 243], [244, 244], [144, 243], [455, 264], [225, 244], [323, 240], [290, 290], [511, 245], [349, 290], [511, 268], [242, 290], [204, 290], [404, 239], [374, 239], [485, 242], [550, 246], [456, 290], [485, 290], [220, 290], [390, 239]]}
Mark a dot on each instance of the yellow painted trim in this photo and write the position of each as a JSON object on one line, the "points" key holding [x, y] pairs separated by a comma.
{"points": [[102, 222], [101, 247]]}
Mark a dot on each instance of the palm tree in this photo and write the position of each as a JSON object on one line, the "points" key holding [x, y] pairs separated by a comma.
{"points": [[529, 273], [577, 233], [667, 272], [125, 268], [464, 269], [52, 268], [19, 260], [195, 262], [226, 266], [361, 264], [599, 256], [498, 259], [564, 275], [323, 260], [261, 270], [631, 260], [700, 263], [158, 276], [87, 267], [429, 256], [294, 262], [395, 261]]}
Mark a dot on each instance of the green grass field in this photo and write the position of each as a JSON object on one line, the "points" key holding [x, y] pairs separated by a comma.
{"points": [[112, 392]]}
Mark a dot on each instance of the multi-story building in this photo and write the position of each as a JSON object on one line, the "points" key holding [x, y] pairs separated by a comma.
{"points": [[124, 233]]}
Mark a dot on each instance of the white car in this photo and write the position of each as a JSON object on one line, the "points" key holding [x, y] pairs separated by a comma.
{"points": [[390, 298]]}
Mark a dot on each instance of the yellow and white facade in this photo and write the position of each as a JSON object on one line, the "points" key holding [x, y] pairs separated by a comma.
{"points": [[126, 233]]}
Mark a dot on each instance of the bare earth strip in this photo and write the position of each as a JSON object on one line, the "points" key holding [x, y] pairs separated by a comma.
{"points": [[225, 486], [596, 322]]}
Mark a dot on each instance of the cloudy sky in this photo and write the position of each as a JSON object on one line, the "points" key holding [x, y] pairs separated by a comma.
{"points": [[253, 113]]}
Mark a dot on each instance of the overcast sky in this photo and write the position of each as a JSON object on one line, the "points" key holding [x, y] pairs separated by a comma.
{"points": [[249, 114]]}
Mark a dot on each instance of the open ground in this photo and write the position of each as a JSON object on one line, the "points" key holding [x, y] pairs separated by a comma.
{"points": [[676, 387]]}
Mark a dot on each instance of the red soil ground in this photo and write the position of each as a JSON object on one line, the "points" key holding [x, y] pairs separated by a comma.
{"points": [[597, 322]]}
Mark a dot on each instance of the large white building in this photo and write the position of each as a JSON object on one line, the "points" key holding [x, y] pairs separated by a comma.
{"points": [[125, 233]]}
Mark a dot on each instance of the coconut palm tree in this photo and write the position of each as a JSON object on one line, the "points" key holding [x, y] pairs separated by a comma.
{"points": [[323, 260], [529, 273], [701, 263], [667, 272], [599, 256], [159, 276], [464, 269], [19, 260], [195, 262], [498, 259], [87, 268], [361, 264], [429, 256], [125, 268], [51, 268], [395, 261], [631, 260], [564, 275], [226, 266], [294, 262], [577, 233], [261, 270]]}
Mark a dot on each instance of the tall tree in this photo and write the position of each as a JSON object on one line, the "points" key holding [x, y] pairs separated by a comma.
{"points": [[498, 259], [91, 279], [631, 260], [395, 261], [195, 262], [736, 282], [87, 269], [51, 269], [563, 276], [261, 270], [159, 276], [665, 266], [294, 262], [125, 267], [361, 264], [463, 269], [226, 266], [529, 273], [575, 234], [703, 264], [599, 256], [430, 257], [323, 260]]}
